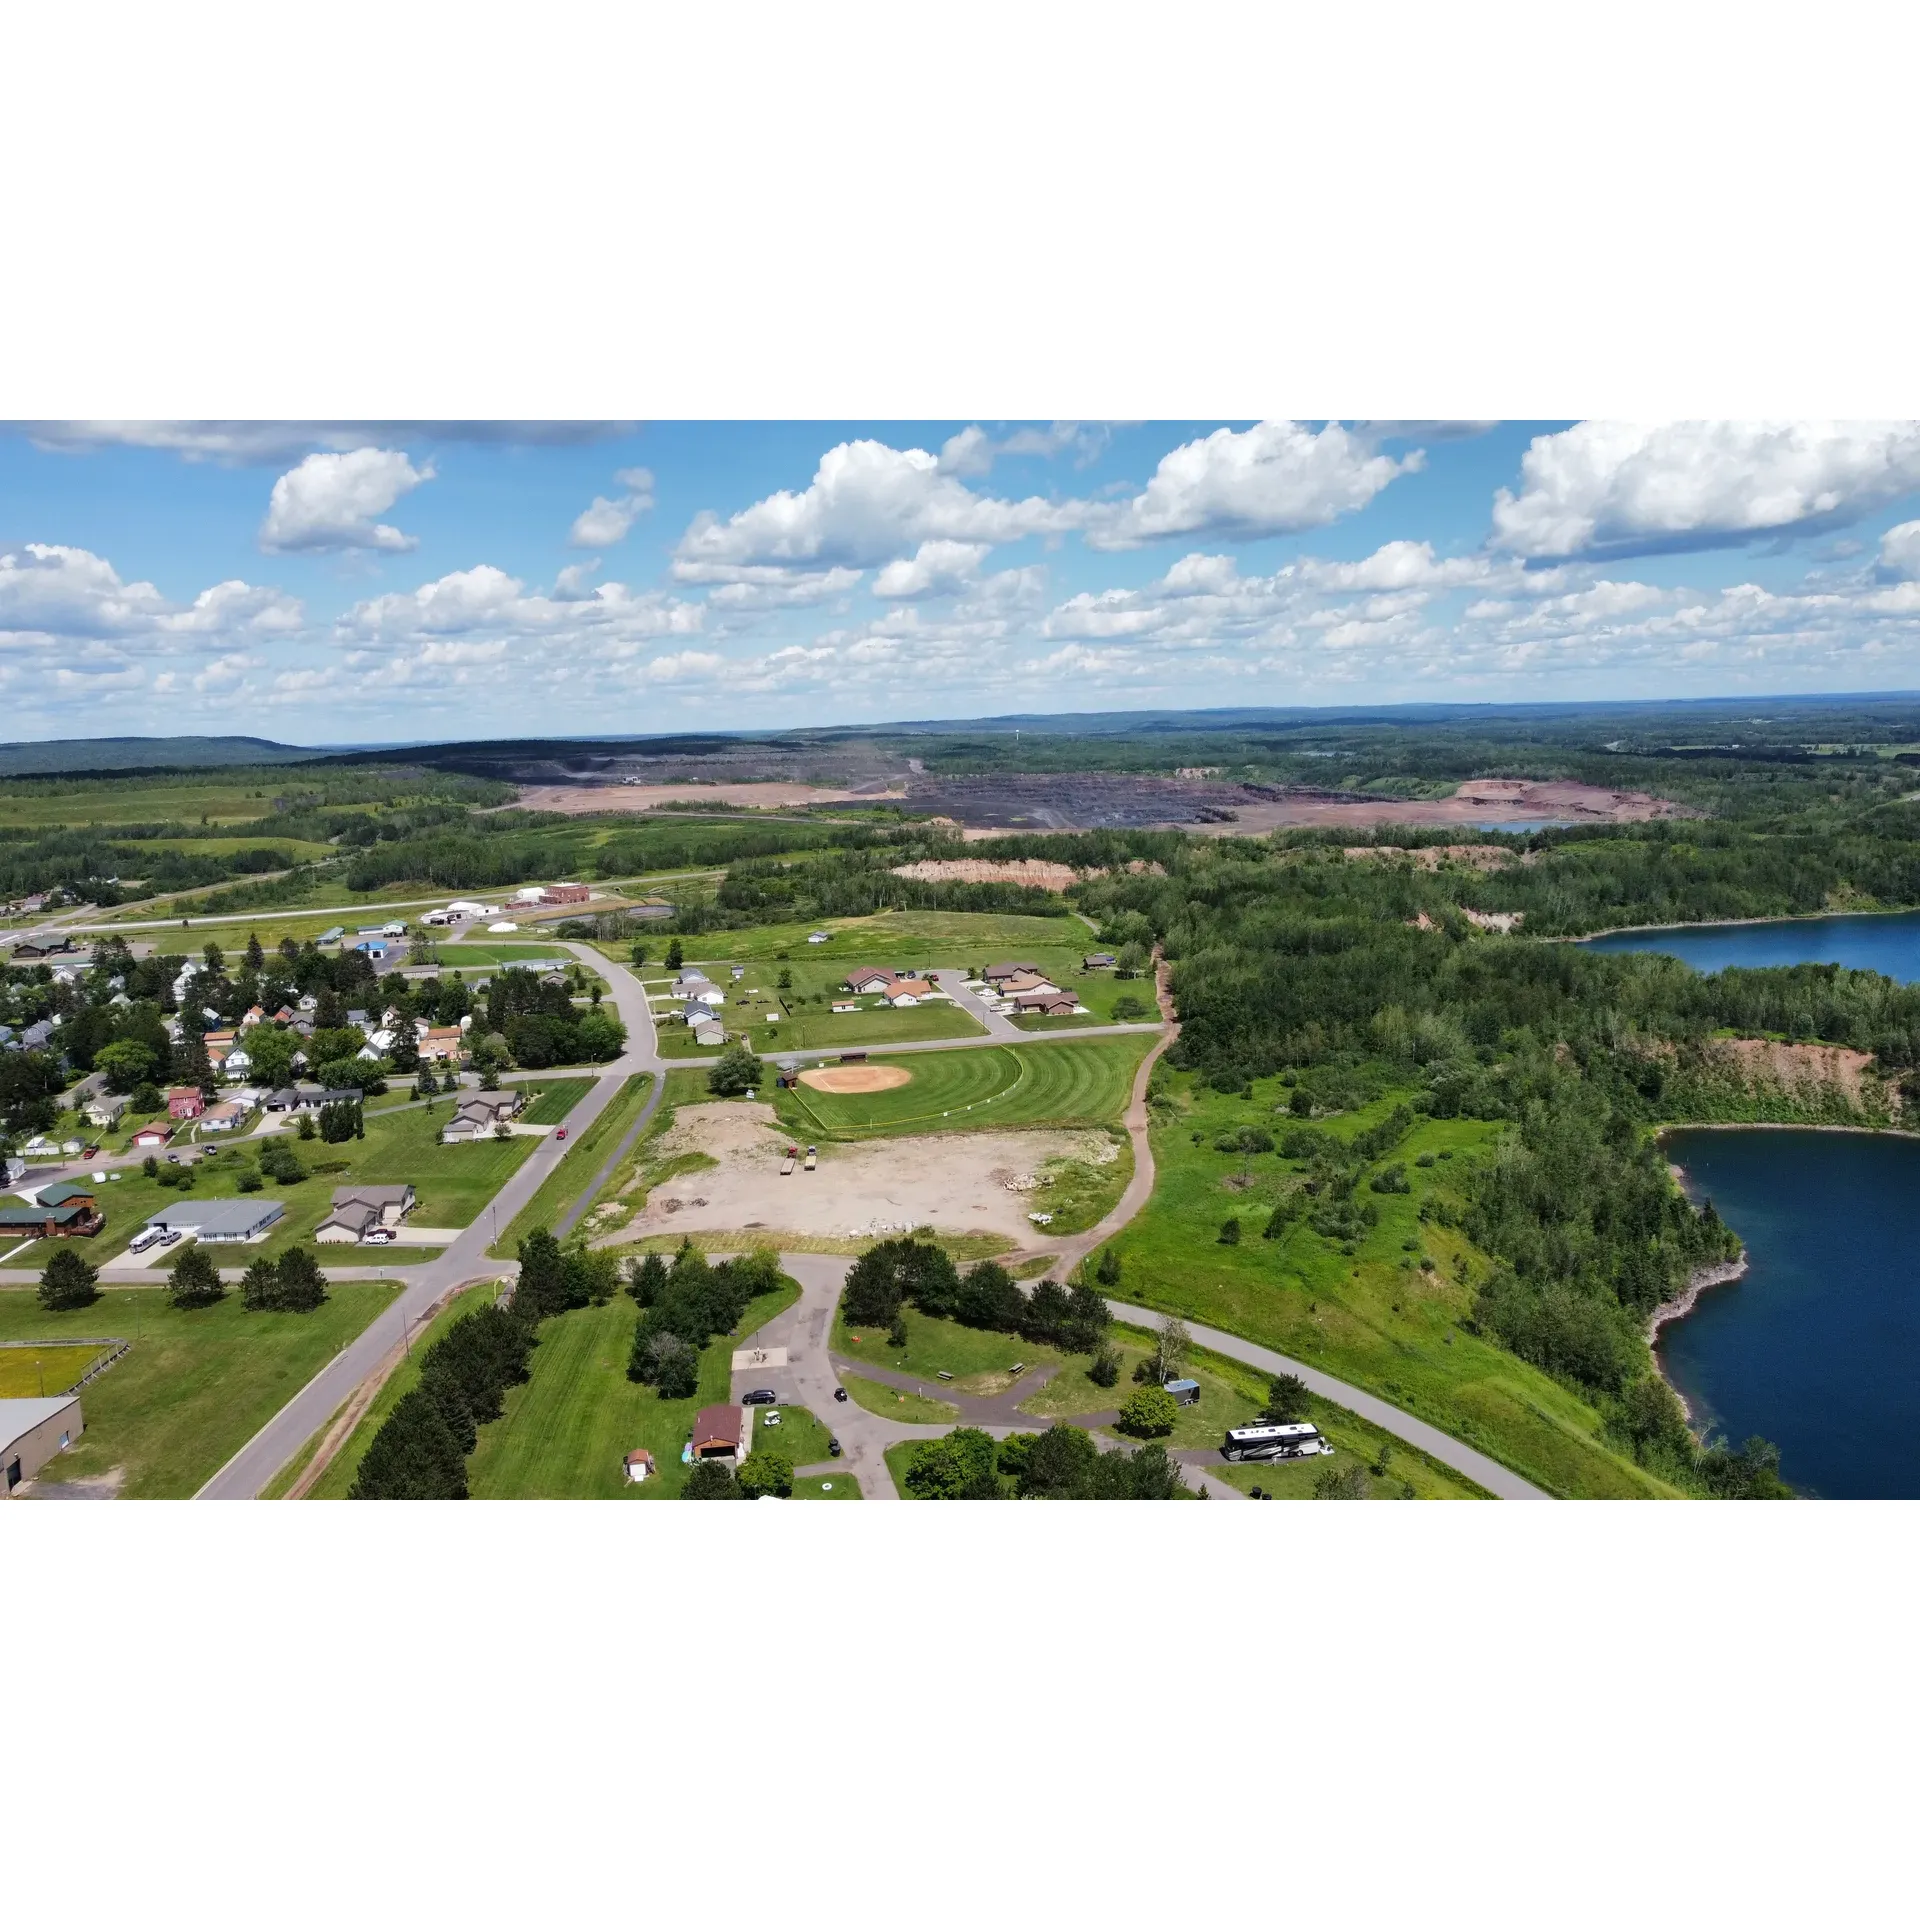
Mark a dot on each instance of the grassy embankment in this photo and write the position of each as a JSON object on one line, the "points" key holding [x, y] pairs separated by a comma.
{"points": [[584, 1158], [1373, 1317], [196, 1386], [566, 1432]]}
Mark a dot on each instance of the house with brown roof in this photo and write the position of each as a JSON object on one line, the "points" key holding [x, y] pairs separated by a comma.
{"points": [[1004, 970], [58, 1212], [721, 1433], [910, 993], [869, 979], [1052, 1001], [443, 1043]]}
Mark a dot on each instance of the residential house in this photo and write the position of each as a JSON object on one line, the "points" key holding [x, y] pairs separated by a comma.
{"points": [[44, 948], [37, 1036], [444, 1044], [253, 1016], [360, 1211], [1052, 1001], [1004, 970], [870, 979], [223, 1116], [818, 939], [475, 1115], [238, 1064], [1029, 982], [227, 1222], [186, 1103], [1097, 963], [304, 1094], [712, 1034], [105, 1109], [909, 993]]}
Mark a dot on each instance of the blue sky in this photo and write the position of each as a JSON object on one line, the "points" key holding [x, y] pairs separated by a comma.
{"points": [[390, 581]]}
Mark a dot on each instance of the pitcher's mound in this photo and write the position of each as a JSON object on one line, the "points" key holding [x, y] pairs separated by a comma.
{"points": [[855, 1079]]}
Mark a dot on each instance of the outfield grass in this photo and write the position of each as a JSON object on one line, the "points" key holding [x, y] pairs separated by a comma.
{"points": [[340, 1470], [1063, 1083], [567, 1431], [1372, 1317], [35, 1373], [196, 1387]]}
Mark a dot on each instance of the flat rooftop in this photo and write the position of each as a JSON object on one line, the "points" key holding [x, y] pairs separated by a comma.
{"points": [[19, 1417]]}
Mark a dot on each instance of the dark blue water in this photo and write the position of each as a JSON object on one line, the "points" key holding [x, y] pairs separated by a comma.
{"points": [[1818, 1347], [1886, 943]]}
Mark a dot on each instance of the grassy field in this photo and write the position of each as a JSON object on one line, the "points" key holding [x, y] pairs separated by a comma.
{"points": [[584, 1158], [566, 1433], [806, 1019], [340, 1470], [401, 1146], [553, 1100], [1062, 1083], [117, 803], [34, 1373], [891, 1404], [883, 939], [1372, 1316], [196, 1386]]}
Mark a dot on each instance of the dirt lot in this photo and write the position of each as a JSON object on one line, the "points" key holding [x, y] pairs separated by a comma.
{"points": [[1487, 859], [956, 1182], [1797, 1065], [1055, 876], [744, 793]]}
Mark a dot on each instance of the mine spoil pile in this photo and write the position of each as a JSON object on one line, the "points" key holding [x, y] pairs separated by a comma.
{"points": [[1075, 799]]}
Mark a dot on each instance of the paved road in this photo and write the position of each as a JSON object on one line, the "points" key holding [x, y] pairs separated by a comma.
{"points": [[953, 982], [247, 1474]]}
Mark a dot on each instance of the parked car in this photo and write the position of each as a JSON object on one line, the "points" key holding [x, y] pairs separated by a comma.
{"points": [[209, 1150], [559, 1133], [381, 1236], [839, 1393], [759, 1397], [89, 1152]]}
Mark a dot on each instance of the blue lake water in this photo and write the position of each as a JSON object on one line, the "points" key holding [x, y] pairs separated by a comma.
{"points": [[1818, 1346], [1886, 943]]}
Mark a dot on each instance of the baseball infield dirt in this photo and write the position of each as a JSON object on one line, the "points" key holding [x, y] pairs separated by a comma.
{"points": [[855, 1079]]}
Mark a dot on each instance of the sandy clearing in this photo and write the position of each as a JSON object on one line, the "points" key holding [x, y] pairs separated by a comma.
{"points": [[1487, 859], [1476, 803], [1054, 875], [955, 1182], [856, 1079], [744, 793]]}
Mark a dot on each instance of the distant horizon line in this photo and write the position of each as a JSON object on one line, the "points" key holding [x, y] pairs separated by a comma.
{"points": [[988, 721]]}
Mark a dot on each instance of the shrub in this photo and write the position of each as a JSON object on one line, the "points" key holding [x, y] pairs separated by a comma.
{"points": [[1147, 1413], [960, 1467], [1105, 1370], [736, 1071], [710, 1480], [1391, 1179], [1341, 1483], [764, 1475], [1230, 1231]]}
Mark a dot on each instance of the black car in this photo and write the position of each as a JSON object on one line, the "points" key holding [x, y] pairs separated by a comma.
{"points": [[833, 1448], [759, 1397], [839, 1393]]}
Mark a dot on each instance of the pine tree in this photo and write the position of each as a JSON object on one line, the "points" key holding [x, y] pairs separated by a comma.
{"points": [[414, 1456], [67, 1283], [195, 1281], [302, 1285], [260, 1286]]}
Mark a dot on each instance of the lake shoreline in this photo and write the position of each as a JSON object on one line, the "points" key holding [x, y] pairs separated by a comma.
{"points": [[1761, 920], [1668, 1311]]}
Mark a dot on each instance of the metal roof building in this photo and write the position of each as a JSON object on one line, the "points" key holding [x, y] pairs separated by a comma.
{"points": [[220, 1220]]}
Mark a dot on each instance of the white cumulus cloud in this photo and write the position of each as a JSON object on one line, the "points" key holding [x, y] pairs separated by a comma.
{"points": [[331, 501], [1900, 550], [606, 522], [1277, 477], [1614, 486], [937, 566]]}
